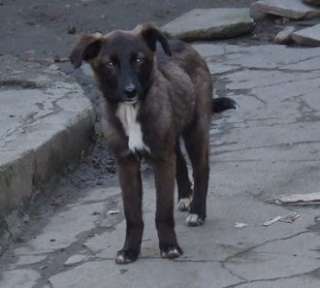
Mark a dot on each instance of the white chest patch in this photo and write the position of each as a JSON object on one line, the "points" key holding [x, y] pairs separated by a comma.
{"points": [[127, 114]]}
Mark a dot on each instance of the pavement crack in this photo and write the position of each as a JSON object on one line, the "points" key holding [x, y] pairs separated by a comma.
{"points": [[231, 272], [196, 261], [245, 251]]}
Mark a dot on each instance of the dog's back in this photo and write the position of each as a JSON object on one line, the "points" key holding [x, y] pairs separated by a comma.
{"points": [[195, 86]]}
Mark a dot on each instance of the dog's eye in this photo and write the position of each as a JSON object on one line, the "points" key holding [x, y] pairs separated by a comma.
{"points": [[139, 60], [110, 64]]}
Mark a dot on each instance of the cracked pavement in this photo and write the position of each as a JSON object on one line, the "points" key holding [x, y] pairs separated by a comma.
{"points": [[268, 147]]}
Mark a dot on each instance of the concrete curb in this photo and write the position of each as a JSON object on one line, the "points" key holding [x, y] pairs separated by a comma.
{"points": [[52, 128]]}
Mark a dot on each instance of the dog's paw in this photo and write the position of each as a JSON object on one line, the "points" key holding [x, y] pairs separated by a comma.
{"points": [[194, 220], [126, 256], [171, 252], [184, 204]]}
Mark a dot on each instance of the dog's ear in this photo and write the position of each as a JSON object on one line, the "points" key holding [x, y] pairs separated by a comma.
{"points": [[87, 48], [151, 34]]}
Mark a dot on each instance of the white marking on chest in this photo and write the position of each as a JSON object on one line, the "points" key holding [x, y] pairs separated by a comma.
{"points": [[127, 114]]}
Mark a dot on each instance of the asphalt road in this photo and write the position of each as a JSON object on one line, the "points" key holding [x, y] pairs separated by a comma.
{"points": [[36, 28]]}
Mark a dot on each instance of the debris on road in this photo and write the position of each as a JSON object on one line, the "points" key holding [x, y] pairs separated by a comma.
{"points": [[57, 59], [285, 219], [290, 218], [300, 199], [240, 225], [272, 221], [113, 212]]}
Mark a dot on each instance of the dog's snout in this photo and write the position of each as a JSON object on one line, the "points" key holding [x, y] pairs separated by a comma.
{"points": [[130, 91]]}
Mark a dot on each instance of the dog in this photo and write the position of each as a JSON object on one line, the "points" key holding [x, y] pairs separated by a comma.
{"points": [[153, 100]]}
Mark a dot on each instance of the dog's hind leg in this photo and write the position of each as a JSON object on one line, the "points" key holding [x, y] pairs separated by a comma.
{"points": [[183, 182], [197, 144], [131, 186]]}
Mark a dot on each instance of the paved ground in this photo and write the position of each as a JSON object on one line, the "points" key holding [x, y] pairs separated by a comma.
{"points": [[268, 147]]}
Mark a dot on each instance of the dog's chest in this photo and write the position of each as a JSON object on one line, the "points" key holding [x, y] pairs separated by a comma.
{"points": [[127, 114]]}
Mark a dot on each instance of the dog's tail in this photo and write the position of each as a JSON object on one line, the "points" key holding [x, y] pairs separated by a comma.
{"points": [[223, 103]]}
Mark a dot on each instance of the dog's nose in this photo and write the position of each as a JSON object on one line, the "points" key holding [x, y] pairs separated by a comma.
{"points": [[130, 91]]}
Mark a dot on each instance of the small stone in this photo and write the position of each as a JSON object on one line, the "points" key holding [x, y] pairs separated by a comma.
{"points": [[284, 36], [113, 212], [75, 259], [26, 219], [58, 59], [240, 225]]}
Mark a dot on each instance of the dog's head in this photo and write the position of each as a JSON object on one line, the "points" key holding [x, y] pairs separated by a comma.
{"points": [[121, 60]]}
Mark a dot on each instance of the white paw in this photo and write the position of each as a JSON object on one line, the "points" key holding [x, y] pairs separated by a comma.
{"points": [[194, 220], [171, 253], [184, 204]]}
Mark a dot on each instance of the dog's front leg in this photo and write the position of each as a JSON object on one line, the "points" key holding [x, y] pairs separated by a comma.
{"points": [[165, 171], [130, 182]]}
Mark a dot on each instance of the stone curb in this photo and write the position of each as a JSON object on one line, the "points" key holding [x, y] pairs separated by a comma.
{"points": [[51, 129]]}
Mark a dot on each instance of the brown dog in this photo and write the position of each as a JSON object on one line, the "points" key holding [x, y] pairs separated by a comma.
{"points": [[152, 99]]}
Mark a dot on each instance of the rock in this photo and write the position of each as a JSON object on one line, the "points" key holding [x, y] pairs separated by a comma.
{"points": [[284, 36], [201, 24], [75, 259], [308, 37], [292, 9], [300, 199], [312, 2]]}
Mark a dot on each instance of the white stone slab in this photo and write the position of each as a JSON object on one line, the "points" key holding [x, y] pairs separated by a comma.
{"points": [[199, 24], [308, 37], [293, 9]]}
